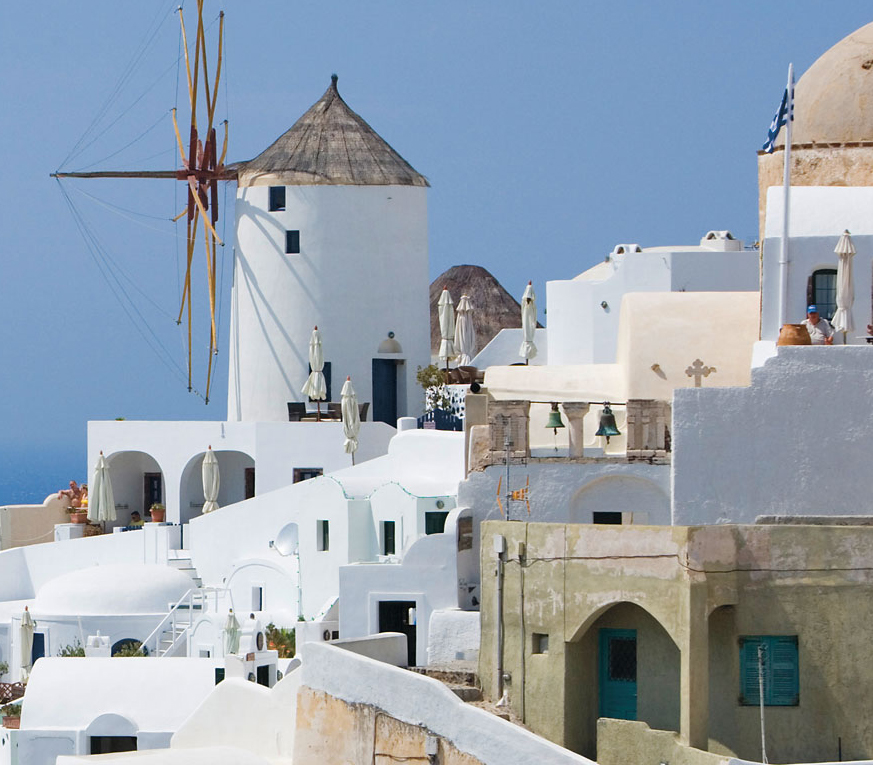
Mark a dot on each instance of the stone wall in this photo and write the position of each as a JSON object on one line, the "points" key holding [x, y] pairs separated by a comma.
{"points": [[626, 742], [844, 165]]}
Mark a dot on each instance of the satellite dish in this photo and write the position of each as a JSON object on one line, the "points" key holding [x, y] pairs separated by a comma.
{"points": [[288, 540]]}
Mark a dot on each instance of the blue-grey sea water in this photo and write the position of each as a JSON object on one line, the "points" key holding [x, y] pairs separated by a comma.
{"points": [[28, 474]]}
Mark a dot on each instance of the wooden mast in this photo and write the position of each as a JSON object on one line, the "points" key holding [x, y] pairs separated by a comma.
{"points": [[201, 169]]}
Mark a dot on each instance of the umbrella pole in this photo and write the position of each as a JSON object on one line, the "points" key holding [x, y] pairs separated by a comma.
{"points": [[447, 370], [318, 410]]}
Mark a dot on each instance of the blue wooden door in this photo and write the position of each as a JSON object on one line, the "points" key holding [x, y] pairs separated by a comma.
{"points": [[385, 391], [617, 660]]}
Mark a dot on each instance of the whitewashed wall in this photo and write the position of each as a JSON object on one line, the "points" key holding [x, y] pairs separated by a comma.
{"points": [[797, 442], [69, 700], [819, 215], [362, 272], [583, 332], [176, 448]]}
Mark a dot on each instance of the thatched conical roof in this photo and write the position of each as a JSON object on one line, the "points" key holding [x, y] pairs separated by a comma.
{"points": [[493, 307], [329, 145]]}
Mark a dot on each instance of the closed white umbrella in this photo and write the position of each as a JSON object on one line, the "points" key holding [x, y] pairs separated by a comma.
{"points": [[446, 311], [528, 323], [101, 502], [316, 387], [465, 332], [845, 249], [27, 626], [231, 634], [211, 481], [351, 418]]}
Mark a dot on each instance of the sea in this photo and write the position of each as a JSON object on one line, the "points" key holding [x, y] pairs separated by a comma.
{"points": [[28, 474]]}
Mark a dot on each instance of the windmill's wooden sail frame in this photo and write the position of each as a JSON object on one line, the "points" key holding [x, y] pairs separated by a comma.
{"points": [[202, 169]]}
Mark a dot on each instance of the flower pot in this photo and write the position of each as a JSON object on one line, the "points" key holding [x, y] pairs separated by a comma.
{"points": [[158, 516], [80, 516], [11, 722], [794, 334]]}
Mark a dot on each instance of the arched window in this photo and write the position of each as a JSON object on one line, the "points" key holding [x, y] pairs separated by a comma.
{"points": [[822, 291]]}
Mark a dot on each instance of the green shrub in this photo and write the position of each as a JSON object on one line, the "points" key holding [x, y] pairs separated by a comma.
{"points": [[74, 649]]}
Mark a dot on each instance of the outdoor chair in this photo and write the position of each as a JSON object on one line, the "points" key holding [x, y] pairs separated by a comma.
{"points": [[296, 411]]}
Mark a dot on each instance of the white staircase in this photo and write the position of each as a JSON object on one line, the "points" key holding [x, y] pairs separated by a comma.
{"points": [[181, 561]]}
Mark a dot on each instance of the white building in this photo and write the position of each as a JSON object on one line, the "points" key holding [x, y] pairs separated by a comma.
{"points": [[331, 231], [592, 300]]}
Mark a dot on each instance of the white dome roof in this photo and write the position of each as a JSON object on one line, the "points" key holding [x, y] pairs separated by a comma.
{"points": [[114, 589]]}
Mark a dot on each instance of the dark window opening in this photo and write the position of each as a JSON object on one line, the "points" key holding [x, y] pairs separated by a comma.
{"points": [[219, 674], [323, 535], [109, 744], [292, 242], [823, 292], [435, 522], [623, 659], [277, 198], [264, 675], [250, 482], [388, 547], [304, 474], [540, 643], [606, 517], [152, 490]]}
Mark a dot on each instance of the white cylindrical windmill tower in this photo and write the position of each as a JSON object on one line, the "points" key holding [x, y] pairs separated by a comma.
{"points": [[331, 230]]}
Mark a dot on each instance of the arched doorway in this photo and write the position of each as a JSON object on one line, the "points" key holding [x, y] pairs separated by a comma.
{"points": [[625, 665], [137, 483], [233, 468]]}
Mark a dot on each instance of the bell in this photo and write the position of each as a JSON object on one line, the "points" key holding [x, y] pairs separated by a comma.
{"points": [[607, 423], [554, 420]]}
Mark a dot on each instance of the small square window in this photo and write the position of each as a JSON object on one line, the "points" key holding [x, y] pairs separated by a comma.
{"points": [[435, 521], [323, 535], [292, 242], [277, 198], [540, 643]]}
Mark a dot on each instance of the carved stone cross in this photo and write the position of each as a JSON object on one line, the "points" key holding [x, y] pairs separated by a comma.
{"points": [[698, 370]]}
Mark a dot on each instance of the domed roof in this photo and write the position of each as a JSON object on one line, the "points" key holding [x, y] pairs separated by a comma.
{"points": [[834, 98], [114, 589], [333, 145]]}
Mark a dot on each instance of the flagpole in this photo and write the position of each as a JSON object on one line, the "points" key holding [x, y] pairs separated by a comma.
{"points": [[786, 204]]}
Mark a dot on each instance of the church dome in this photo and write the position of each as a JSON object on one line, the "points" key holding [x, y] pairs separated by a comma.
{"points": [[834, 97], [329, 145], [113, 589]]}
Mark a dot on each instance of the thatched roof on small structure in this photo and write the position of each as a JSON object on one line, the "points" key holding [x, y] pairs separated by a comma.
{"points": [[329, 145], [493, 307]]}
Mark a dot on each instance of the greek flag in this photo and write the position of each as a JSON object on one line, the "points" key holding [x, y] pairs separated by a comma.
{"points": [[786, 108]]}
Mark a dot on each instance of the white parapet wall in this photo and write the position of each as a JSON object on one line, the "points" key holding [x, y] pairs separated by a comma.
{"points": [[423, 702], [810, 405]]}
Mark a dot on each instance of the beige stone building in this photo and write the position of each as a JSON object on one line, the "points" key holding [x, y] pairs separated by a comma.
{"points": [[663, 624]]}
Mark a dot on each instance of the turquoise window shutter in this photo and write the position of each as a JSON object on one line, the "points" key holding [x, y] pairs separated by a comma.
{"points": [[780, 667]]}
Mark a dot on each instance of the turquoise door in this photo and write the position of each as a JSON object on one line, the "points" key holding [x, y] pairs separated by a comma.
{"points": [[617, 659]]}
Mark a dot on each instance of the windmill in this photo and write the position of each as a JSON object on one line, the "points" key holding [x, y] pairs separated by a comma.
{"points": [[202, 167]]}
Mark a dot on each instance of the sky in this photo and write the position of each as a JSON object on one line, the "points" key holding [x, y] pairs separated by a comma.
{"points": [[549, 131]]}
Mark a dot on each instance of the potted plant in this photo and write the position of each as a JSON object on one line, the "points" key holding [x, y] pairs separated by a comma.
{"points": [[78, 515], [158, 512], [12, 716]]}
